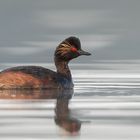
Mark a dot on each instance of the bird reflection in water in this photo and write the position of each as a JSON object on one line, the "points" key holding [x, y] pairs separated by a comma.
{"points": [[62, 117]]}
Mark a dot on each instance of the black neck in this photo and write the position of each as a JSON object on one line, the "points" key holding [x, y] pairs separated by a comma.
{"points": [[63, 68]]}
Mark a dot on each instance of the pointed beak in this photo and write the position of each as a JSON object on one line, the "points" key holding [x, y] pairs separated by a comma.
{"points": [[81, 52]]}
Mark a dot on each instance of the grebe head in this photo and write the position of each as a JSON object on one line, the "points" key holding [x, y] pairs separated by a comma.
{"points": [[69, 48]]}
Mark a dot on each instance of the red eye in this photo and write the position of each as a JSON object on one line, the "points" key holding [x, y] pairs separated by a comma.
{"points": [[73, 49]]}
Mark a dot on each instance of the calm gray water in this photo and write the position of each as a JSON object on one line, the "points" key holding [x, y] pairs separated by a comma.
{"points": [[105, 105]]}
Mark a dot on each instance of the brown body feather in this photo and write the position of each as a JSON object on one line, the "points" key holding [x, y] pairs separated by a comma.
{"points": [[19, 80], [32, 77]]}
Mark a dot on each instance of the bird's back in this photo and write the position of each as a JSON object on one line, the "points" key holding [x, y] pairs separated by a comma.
{"points": [[31, 77]]}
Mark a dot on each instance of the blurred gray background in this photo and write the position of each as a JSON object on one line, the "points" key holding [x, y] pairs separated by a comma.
{"points": [[30, 30]]}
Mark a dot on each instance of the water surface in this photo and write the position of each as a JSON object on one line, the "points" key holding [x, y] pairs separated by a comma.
{"points": [[104, 105]]}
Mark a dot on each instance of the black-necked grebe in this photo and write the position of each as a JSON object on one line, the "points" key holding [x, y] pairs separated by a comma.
{"points": [[36, 77]]}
